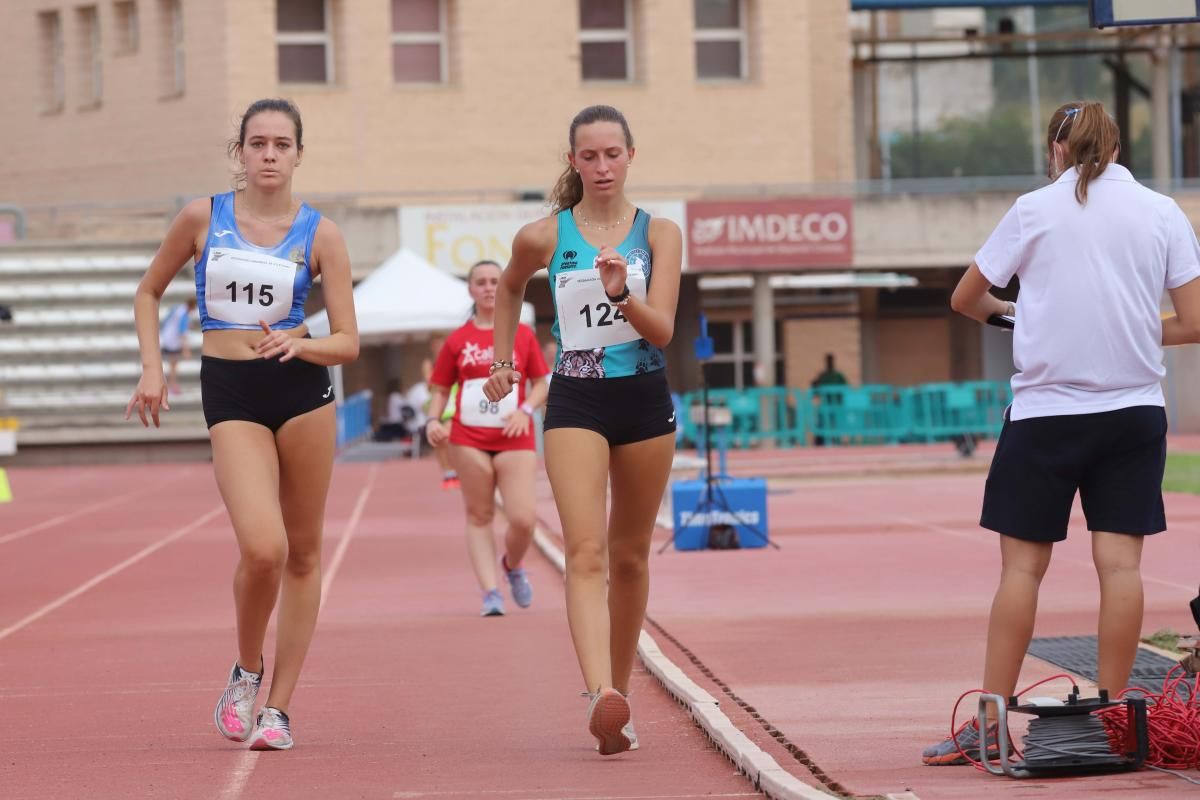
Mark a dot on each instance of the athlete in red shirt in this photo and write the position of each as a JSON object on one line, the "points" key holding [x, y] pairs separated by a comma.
{"points": [[491, 443]]}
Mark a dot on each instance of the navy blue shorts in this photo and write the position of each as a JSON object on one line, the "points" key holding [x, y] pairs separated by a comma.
{"points": [[622, 410], [1114, 459]]}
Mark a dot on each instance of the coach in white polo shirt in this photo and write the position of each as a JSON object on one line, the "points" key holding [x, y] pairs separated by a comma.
{"points": [[1094, 252]]}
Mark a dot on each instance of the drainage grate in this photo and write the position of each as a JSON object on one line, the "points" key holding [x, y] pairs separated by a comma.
{"points": [[1078, 654]]}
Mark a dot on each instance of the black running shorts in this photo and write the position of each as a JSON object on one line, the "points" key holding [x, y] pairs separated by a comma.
{"points": [[1114, 459], [622, 410], [266, 391]]}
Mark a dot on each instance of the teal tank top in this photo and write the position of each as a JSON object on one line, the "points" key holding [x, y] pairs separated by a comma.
{"points": [[594, 338]]}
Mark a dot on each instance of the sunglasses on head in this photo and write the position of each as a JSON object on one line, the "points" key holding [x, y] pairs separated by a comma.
{"points": [[1067, 115]]}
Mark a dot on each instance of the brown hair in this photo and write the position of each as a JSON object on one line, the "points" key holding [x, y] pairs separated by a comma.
{"points": [[236, 144], [1090, 136], [487, 262], [569, 190]]}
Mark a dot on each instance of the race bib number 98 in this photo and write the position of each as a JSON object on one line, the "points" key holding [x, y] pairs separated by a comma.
{"points": [[586, 318], [243, 288], [479, 412]]}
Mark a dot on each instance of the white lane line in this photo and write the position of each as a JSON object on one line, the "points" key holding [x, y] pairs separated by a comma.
{"points": [[974, 535], [348, 534], [50, 523], [108, 573], [402, 795], [244, 767], [763, 771], [242, 770]]}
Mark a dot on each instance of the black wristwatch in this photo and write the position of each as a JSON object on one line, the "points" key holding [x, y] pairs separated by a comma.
{"points": [[618, 299]]}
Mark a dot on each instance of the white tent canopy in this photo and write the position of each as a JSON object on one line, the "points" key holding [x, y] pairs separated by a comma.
{"points": [[405, 297]]}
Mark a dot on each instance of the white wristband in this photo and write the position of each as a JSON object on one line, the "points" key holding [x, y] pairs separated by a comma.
{"points": [[528, 409]]}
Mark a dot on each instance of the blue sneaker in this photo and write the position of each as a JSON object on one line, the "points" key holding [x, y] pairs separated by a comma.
{"points": [[493, 604], [518, 584]]}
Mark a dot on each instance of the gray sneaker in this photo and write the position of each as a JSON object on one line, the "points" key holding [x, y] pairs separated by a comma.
{"points": [[966, 739], [493, 604], [518, 584]]}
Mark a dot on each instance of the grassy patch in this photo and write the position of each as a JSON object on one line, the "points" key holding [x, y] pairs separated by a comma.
{"points": [[1183, 473], [1164, 639]]}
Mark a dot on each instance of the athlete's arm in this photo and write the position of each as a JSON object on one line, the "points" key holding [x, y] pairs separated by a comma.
{"points": [[539, 388], [531, 251], [341, 345], [435, 429], [654, 320], [1184, 326], [973, 299], [178, 246]]}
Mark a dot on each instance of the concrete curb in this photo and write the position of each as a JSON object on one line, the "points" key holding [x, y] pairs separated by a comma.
{"points": [[763, 771]]}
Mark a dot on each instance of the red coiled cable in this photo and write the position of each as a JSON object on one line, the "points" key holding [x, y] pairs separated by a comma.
{"points": [[1172, 722]]}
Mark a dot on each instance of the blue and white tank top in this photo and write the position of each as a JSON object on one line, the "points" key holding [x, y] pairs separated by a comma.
{"points": [[239, 283], [594, 338]]}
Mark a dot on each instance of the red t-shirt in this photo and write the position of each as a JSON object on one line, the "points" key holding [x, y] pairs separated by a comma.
{"points": [[466, 359]]}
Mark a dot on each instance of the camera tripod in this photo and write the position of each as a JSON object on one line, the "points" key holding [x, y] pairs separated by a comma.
{"points": [[721, 535]]}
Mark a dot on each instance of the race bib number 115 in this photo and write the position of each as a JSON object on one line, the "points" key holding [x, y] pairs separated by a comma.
{"points": [[243, 288]]}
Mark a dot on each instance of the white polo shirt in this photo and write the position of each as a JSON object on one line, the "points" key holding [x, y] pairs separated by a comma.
{"points": [[1089, 335]]}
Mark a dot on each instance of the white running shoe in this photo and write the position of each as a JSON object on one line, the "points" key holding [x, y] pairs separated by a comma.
{"points": [[235, 709], [273, 731], [630, 734], [608, 716]]}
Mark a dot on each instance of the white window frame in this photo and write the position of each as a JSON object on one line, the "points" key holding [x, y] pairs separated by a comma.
{"points": [[57, 101], [425, 37], [741, 35], [591, 35], [324, 37], [128, 36]]}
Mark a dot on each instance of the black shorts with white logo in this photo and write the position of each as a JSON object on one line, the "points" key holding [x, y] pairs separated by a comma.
{"points": [[1114, 459], [266, 391], [622, 410]]}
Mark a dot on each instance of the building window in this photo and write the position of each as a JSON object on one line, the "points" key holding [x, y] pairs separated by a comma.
{"points": [[606, 40], [50, 40], [419, 41], [125, 21], [171, 72], [90, 73], [720, 39], [732, 364], [304, 41]]}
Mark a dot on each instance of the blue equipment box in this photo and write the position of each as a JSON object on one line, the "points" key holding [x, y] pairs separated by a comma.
{"points": [[693, 512]]}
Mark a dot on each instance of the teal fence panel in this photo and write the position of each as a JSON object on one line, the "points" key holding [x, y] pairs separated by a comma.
{"points": [[871, 414], [941, 411]]}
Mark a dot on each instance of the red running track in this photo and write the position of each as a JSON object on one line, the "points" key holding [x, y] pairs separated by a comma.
{"points": [[116, 634]]}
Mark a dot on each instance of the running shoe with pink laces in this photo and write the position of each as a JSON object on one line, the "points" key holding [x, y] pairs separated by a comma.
{"points": [[235, 709], [273, 731]]}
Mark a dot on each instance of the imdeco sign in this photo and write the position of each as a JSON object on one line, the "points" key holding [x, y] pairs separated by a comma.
{"points": [[770, 234]]}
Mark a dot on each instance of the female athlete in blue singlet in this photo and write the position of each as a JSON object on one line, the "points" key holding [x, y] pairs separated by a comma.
{"points": [[614, 278], [266, 393]]}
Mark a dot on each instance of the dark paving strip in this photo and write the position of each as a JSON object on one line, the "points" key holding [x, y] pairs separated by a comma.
{"points": [[1078, 654], [803, 758]]}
